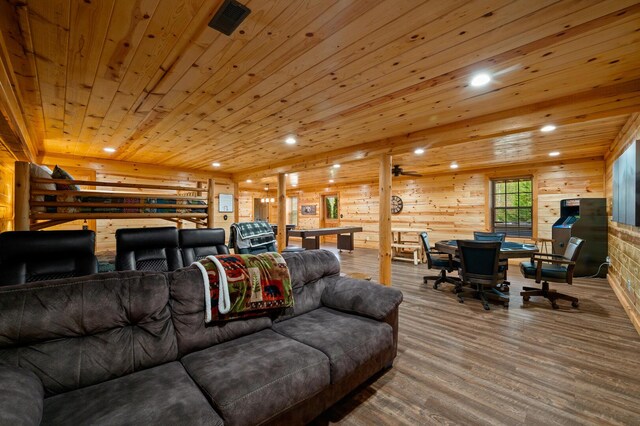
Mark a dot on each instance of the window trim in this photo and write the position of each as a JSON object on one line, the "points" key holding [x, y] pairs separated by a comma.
{"points": [[492, 208]]}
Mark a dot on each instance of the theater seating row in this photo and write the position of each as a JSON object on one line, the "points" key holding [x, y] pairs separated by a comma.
{"points": [[28, 256]]}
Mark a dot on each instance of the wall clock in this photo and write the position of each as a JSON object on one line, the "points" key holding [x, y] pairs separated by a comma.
{"points": [[396, 204]]}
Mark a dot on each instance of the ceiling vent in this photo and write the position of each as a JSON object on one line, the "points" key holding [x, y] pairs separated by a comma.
{"points": [[229, 16]]}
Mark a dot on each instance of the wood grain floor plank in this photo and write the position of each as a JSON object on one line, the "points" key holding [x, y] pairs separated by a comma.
{"points": [[525, 365]]}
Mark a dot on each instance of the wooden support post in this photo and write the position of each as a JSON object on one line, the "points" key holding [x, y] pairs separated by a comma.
{"points": [[282, 212], [21, 196], [200, 185], [385, 219], [236, 202], [211, 205]]}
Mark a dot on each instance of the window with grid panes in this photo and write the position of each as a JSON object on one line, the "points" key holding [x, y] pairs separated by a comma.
{"points": [[512, 207]]}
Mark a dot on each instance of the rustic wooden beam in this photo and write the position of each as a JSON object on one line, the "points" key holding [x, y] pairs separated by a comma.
{"points": [[21, 196], [282, 212], [211, 198], [126, 168], [384, 221]]}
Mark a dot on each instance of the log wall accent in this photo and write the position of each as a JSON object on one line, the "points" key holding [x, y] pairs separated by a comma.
{"points": [[6, 192], [454, 205], [624, 240]]}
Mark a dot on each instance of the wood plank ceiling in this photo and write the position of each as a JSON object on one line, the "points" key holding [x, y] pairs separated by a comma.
{"points": [[349, 79]]}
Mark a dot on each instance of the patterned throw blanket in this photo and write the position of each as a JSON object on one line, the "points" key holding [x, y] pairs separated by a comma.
{"points": [[244, 285]]}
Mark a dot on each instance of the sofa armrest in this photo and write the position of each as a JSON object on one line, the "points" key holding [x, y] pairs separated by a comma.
{"points": [[21, 397], [362, 297]]}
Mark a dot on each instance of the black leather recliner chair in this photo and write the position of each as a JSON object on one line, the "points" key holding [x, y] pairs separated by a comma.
{"points": [[197, 244], [148, 249], [27, 256]]}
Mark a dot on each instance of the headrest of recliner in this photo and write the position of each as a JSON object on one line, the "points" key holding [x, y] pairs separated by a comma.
{"points": [[201, 237], [21, 244], [144, 238]]}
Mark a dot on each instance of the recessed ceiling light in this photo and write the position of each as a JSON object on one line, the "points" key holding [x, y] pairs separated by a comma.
{"points": [[480, 80], [294, 185], [336, 166], [249, 181], [554, 154], [290, 140], [548, 128], [419, 151], [215, 164], [110, 150], [454, 165], [331, 180]]}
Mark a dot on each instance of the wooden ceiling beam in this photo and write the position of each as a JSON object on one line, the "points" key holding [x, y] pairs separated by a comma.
{"points": [[126, 168], [599, 102]]}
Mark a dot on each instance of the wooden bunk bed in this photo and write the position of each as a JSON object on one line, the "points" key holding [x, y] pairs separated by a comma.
{"points": [[173, 203]]}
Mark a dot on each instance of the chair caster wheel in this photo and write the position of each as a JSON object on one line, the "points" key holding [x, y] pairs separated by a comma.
{"points": [[575, 304], [435, 286], [555, 306], [525, 298]]}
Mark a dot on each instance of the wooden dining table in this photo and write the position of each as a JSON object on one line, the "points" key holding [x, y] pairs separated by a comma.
{"points": [[508, 250]]}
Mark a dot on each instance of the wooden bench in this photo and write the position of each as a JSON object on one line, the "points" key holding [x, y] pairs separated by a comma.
{"points": [[407, 247]]}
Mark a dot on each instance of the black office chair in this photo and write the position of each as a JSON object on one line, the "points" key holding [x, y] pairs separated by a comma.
{"points": [[148, 249], [489, 236], [480, 269], [504, 263], [28, 256], [196, 244], [557, 268], [438, 260]]}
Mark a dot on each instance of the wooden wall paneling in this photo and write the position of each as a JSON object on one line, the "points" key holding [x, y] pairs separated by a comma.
{"points": [[624, 240]]}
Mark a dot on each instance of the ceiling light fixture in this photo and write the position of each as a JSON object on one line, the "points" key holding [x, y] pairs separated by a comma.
{"points": [[480, 80], [110, 150], [554, 154], [331, 180], [548, 128], [454, 165], [290, 140], [249, 181], [215, 164], [336, 166], [419, 151]]}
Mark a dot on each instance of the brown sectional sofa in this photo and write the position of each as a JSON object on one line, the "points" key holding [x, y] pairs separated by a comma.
{"points": [[132, 348]]}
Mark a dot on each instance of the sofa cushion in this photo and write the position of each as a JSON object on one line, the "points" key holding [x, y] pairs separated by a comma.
{"points": [[160, 395], [21, 396], [254, 378], [311, 270], [187, 305], [362, 297], [81, 331], [348, 340]]}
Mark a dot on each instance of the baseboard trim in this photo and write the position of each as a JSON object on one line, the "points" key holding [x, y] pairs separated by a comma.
{"points": [[633, 314]]}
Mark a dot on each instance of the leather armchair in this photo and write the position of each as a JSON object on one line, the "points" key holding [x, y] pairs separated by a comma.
{"points": [[27, 256], [197, 244], [148, 249]]}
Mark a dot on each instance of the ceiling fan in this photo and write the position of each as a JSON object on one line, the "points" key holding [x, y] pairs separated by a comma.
{"points": [[397, 171]]}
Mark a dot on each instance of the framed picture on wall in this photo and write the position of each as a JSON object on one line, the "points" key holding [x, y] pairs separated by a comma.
{"points": [[308, 210], [225, 203]]}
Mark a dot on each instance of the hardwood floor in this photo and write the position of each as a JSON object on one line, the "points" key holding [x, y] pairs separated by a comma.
{"points": [[459, 364]]}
